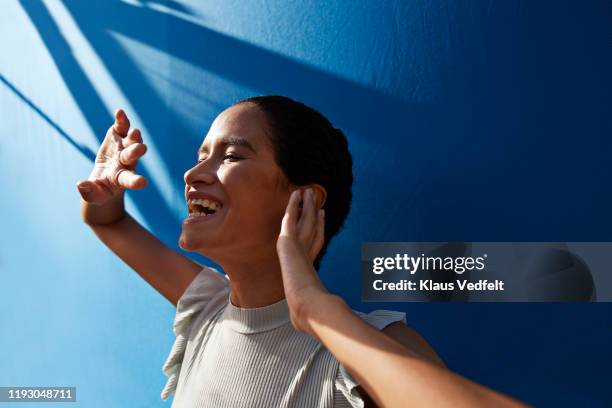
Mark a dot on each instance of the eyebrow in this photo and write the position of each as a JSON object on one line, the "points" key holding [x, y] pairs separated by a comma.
{"points": [[230, 141]]}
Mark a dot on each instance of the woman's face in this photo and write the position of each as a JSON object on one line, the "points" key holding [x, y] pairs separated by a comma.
{"points": [[236, 170]]}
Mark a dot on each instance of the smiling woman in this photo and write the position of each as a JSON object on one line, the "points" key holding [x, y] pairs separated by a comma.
{"points": [[236, 168], [271, 187]]}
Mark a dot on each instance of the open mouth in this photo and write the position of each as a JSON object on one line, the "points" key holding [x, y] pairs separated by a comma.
{"points": [[202, 207]]}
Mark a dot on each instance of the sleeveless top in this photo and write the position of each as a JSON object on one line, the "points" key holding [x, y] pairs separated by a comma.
{"points": [[227, 356]]}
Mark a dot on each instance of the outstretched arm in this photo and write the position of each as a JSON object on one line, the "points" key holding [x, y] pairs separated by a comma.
{"points": [[393, 375], [102, 208]]}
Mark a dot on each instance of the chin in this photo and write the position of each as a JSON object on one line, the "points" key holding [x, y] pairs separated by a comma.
{"points": [[193, 244], [188, 244]]}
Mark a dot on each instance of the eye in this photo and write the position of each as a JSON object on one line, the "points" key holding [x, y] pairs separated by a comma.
{"points": [[231, 157]]}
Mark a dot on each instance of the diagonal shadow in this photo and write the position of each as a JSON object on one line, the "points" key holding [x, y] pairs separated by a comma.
{"points": [[165, 128], [371, 117], [150, 203], [85, 151], [172, 4], [364, 111], [374, 120]]}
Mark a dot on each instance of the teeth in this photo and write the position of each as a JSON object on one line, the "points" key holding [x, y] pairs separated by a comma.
{"points": [[211, 205], [198, 214]]}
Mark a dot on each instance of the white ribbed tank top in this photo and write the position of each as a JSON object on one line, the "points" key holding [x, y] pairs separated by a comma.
{"points": [[225, 356]]}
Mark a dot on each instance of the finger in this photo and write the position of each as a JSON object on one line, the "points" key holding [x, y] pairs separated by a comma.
{"points": [[133, 137], [127, 179], [92, 192], [122, 123], [307, 219], [130, 155], [319, 238], [291, 214]]}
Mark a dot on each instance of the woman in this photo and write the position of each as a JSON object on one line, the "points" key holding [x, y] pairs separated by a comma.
{"points": [[271, 187]]}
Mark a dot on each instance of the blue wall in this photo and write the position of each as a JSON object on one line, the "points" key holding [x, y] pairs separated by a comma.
{"points": [[467, 120]]}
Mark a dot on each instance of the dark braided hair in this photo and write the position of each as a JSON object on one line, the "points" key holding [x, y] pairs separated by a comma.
{"points": [[310, 150]]}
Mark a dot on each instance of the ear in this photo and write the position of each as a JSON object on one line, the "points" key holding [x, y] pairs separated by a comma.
{"points": [[318, 190], [320, 194]]}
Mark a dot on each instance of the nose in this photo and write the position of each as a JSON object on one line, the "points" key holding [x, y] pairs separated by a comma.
{"points": [[200, 173]]}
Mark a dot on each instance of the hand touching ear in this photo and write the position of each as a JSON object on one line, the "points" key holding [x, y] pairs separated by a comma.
{"points": [[300, 240], [305, 225]]}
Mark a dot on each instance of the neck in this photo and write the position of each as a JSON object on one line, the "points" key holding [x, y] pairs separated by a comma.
{"points": [[255, 283]]}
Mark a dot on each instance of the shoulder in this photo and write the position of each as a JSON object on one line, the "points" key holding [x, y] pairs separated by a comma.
{"points": [[206, 292], [205, 295]]}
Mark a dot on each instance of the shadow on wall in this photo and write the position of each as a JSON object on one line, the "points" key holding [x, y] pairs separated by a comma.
{"points": [[85, 151], [363, 111], [502, 126], [514, 147]]}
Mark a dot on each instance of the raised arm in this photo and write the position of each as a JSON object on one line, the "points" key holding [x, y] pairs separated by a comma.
{"points": [[391, 374], [102, 208]]}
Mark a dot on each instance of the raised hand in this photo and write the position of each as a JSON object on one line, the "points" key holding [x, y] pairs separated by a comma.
{"points": [[115, 162], [300, 240]]}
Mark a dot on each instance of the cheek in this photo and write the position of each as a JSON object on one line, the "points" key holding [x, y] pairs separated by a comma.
{"points": [[255, 199], [239, 175], [250, 183]]}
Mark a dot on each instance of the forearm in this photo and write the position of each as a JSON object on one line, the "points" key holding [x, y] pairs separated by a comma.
{"points": [[165, 269], [108, 213], [391, 374]]}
